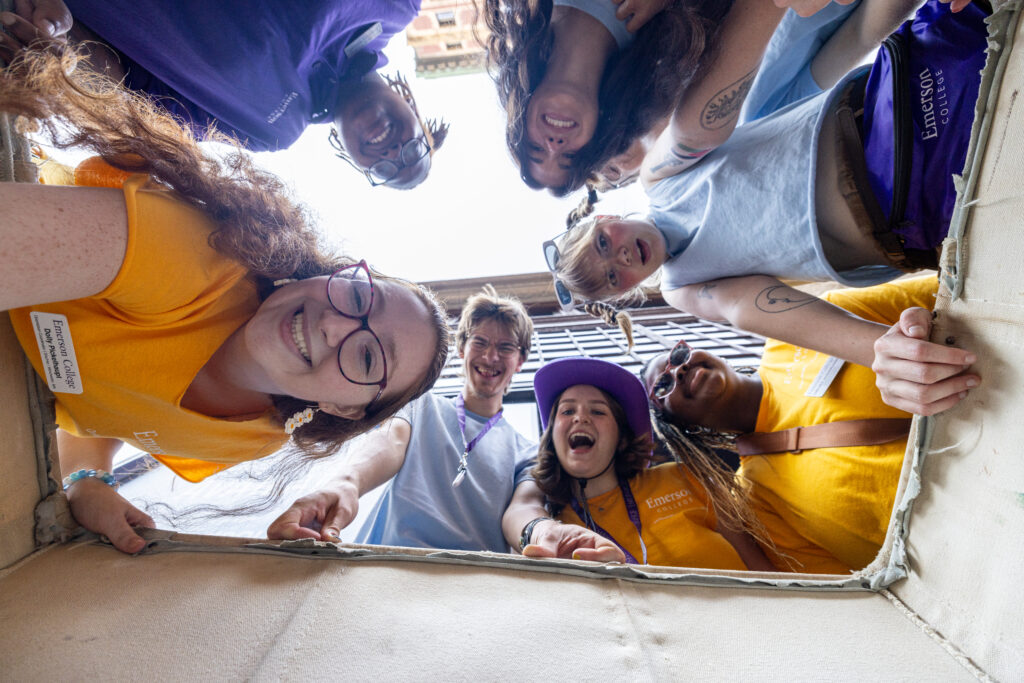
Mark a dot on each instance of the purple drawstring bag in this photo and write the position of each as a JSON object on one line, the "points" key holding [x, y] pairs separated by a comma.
{"points": [[918, 110]]}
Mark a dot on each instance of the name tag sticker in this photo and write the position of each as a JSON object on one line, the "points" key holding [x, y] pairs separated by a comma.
{"points": [[825, 376], [57, 352]]}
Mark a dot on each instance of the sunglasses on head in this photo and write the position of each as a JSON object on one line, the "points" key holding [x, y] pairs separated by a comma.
{"points": [[666, 380], [551, 258]]}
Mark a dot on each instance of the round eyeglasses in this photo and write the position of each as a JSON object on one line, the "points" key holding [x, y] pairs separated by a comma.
{"points": [[666, 380], [361, 356], [505, 349], [383, 171]]}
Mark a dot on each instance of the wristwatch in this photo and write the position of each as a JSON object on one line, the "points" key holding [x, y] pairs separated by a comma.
{"points": [[524, 538]]}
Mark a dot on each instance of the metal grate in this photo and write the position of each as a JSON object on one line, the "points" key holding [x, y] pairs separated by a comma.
{"points": [[654, 330]]}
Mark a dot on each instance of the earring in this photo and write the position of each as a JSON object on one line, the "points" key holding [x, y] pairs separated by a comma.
{"points": [[284, 281], [300, 418]]}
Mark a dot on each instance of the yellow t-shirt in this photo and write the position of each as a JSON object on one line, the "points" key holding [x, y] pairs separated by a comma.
{"points": [[677, 525], [141, 341], [828, 508]]}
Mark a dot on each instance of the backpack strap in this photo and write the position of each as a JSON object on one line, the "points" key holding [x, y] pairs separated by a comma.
{"points": [[844, 433]]}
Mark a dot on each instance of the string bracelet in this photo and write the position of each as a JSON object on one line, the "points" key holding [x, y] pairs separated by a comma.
{"points": [[104, 476]]}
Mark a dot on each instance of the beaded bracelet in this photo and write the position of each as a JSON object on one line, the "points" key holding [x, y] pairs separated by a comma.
{"points": [[104, 476]]}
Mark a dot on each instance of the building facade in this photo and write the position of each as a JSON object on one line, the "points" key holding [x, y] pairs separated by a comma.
{"points": [[448, 39]]}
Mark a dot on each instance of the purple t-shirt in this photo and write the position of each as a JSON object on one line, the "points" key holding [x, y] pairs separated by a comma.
{"points": [[261, 70]]}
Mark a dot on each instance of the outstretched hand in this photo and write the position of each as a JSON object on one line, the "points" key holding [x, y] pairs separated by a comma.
{"points": [[320, 515], [554, 539], [956, 5], [919, 376], [638, 12], [30, 21], [101, 509]]}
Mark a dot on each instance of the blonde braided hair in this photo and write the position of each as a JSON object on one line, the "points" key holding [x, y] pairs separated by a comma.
{"points": [[613, 316]]}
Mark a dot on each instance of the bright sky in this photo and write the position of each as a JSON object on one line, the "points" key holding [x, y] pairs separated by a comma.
{"points": [[472, 217]]}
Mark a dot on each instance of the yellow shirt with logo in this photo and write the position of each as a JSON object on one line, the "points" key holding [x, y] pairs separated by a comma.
{"points": [[677, 525], [827, 509], [141, 341]]}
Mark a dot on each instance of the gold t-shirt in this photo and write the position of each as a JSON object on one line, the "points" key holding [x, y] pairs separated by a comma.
{"points": [[678, 526], [141, 341], [827, 509]]}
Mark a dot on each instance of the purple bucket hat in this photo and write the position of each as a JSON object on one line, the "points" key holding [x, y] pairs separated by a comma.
{"points": [[622, 385]]}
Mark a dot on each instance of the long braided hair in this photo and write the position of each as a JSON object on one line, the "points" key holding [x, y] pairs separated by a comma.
{"points": [[613, 316]]}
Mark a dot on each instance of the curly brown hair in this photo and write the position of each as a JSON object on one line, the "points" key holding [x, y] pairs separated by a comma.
{"points": [[258, 223], [641, 84], [632, 455]]}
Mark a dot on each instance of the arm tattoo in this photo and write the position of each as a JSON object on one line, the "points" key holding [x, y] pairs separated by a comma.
{"points": [[705, 292], [668, 163], [680, 157], [772, 300], [681, 151], [725, 105]]}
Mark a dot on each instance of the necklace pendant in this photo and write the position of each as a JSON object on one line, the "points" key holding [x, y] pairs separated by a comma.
{"points": [[459, 476], [463, 465]]}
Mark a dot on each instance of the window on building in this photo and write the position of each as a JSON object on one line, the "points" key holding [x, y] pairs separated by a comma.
{"points": [[446, 18], [453, 46]]}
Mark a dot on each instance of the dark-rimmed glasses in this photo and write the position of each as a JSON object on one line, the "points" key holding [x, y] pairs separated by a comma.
{"points": [[666, 381], [385, 170], [361, 356]]}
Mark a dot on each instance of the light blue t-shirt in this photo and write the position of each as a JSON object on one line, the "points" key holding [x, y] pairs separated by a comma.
{"points": [[784, 76], [604, 11], [748, 207], [421, 509]]}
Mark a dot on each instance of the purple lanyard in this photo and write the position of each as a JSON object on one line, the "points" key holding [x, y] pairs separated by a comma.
{"points": [[634, 516], [460, 408]]}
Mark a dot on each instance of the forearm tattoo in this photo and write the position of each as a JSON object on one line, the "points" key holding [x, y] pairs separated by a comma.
{"points": [[780, 298], [705, 292], [726, 103], [680, 156]]}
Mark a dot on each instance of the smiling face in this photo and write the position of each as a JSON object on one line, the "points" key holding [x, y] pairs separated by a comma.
{"points": [[560, 120], [294, 338], [707, 392], [585, 432], [627, 251], [487, 372], [373, 122]]}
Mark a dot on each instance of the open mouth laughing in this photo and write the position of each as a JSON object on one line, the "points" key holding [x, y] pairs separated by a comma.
{"points": [[557, 122], [489, 373], [298, 337], [380, 137], [580, 441]]}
